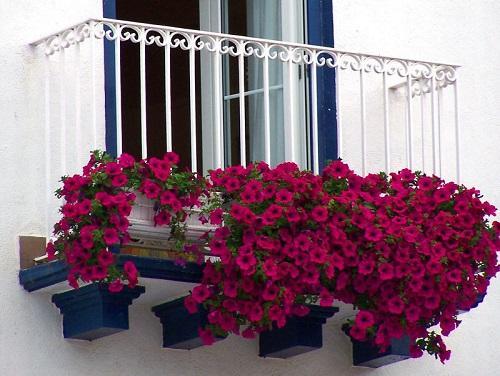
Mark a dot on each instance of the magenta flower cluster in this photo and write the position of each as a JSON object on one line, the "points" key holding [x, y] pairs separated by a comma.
{"points": [[407, 250], [96, 207]]}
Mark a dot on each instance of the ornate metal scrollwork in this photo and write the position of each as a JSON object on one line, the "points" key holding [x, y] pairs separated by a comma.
{"points": [[235, 46]]}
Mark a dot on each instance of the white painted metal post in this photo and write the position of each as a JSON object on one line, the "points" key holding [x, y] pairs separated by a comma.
{"points": [[78, 122], [387, 137], [290, 126], [433, 121], [168, 100], [192, 105], [241, 92], [422, 130], [267, 120], [314, 110], [142, 68], [62, 108], [93, 84], [118, 92], [457, 131], [340, 150], [439, 116], [219, 131], [363, 120], [409, 138], [48, 190]]}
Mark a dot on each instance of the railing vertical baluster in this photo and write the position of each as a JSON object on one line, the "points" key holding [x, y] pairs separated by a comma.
{"points": [[78, 125], [340, 151], [93, 84], [439, 116], [363, 119], [409, 138], [118, 92], [422, 113], [192, 104], [226, 108], [433, 121], [142, 68], [314, 110], [290, 127], [387, 135], [267, 120], [457, 130], [48, 190], [241, 89], [168, 104], [219, 130], [62, 102]]}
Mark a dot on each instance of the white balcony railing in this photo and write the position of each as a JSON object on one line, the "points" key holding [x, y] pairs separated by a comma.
{"points": [[390, 112]]}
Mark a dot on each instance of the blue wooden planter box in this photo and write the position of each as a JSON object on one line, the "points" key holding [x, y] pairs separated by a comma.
{"points": [[298, 336], [180, 328], [40, 276], [366, 354], [92, 312]]}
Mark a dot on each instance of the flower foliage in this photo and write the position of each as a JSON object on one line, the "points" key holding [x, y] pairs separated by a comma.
{"points": [[407, 250], [98, 202]]}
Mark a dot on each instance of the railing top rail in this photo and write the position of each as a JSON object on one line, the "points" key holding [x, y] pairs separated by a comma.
{"points": [[313, 48]]}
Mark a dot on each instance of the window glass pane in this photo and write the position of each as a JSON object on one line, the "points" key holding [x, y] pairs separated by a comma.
{"points": [[259, 19]]}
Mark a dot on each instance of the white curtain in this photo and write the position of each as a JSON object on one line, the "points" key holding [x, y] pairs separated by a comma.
{"points": [[264, 21]]}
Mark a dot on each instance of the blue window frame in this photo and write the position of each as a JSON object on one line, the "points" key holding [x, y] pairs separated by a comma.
{"points": [[109, 11], [319, 32]]}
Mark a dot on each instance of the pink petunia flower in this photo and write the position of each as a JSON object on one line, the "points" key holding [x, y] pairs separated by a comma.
{"points": [[115, 286], [364, 319], [200, 293], [110, 236]]}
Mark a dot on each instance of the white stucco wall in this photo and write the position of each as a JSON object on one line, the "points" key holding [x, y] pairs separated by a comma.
{"points": [[31, 342]]}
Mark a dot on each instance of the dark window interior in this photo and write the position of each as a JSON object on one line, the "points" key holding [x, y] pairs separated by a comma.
{"points": [[183, 14], [237, 25], [176, 13]]}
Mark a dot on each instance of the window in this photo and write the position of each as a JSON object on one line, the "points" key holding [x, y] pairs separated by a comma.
{"points": [[288, 90]]}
